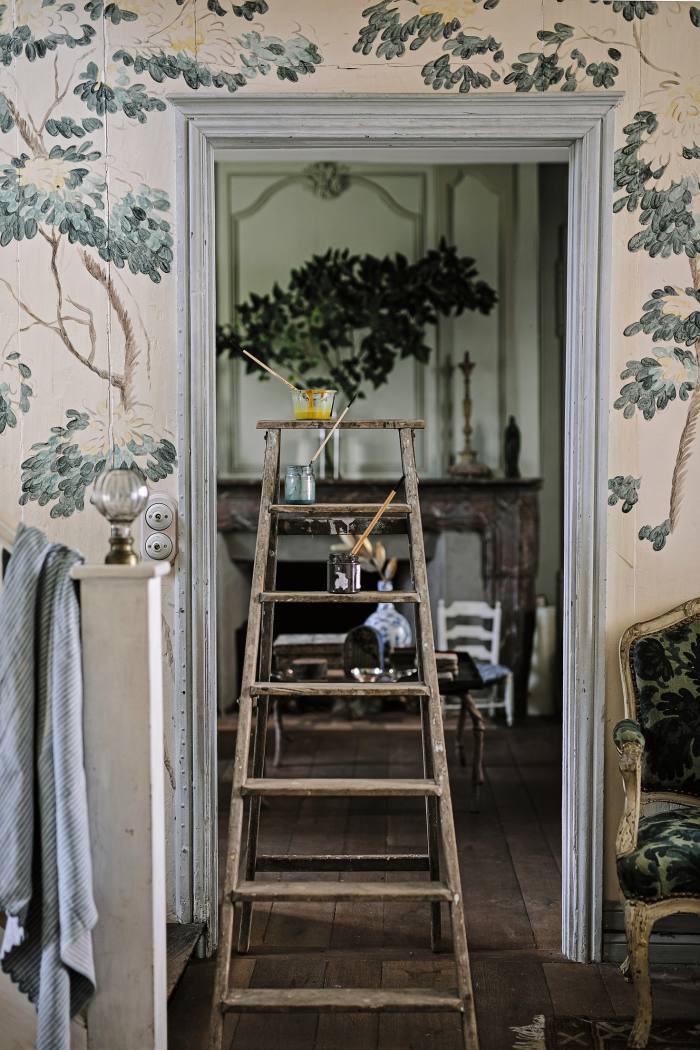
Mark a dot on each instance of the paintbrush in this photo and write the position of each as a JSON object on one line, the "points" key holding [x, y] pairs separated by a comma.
{"points": [[270, 370], [377, 516], [330, 433]]}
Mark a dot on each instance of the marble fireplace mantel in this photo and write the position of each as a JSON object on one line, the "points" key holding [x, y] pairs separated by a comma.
{"points": [[504, 512]]}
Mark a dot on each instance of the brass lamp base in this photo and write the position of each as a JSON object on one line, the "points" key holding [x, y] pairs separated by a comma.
{"points": [[121, 547]]}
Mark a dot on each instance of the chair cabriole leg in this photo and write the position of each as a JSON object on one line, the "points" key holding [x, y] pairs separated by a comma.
{"points": [[638, 924]]}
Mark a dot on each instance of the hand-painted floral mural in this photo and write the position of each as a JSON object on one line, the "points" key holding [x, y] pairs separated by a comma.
{"points": [[75, 75], [62, 188]]}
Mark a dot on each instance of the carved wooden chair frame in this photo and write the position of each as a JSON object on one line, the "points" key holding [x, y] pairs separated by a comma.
{"points": [[640, 916]]}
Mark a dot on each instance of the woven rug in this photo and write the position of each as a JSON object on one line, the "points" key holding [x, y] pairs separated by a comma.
{"points": [[579, 1033]]}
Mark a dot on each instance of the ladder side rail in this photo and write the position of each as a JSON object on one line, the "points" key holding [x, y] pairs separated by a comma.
{"points": [[268, 496], [429, 674], [432, 809], [260, 738]]}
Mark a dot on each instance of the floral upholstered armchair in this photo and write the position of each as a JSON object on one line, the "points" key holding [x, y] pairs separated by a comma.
{"points": [[658, 856]]}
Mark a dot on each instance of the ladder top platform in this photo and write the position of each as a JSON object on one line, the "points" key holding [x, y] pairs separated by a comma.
{"points": [[347, 424]]}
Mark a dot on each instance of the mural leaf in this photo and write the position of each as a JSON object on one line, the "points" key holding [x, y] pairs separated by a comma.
{"points": [[15, 389], [112, 12], [624, 488], [656, 534], [629, 9], [67, 127], [248, 10]]}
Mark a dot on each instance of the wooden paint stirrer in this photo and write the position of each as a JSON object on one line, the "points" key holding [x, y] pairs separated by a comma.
{"points": [[356, 549], [270, 370], [331, 432]]}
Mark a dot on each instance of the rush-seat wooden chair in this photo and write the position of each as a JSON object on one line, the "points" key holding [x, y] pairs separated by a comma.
{"points": [[658, 856]]}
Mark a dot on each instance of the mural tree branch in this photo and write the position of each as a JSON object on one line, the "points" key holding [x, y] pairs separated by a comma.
{"points": [[656, 173], [56, 193]]}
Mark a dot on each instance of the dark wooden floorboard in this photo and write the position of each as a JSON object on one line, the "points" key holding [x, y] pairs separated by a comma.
{"points": [[533, 863], [180, 943], [508, 993], [350, 1031], [510, 859], [571, 985]]}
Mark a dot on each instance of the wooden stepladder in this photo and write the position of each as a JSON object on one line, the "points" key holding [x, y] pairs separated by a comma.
{"points": [[245, 881]]}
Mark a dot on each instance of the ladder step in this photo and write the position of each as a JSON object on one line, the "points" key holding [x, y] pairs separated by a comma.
{"points": [[339, 689], [341, 1000], [343, 862], [368, 597], [346, 424], [260, 890], [341, 510], [383, 788]]}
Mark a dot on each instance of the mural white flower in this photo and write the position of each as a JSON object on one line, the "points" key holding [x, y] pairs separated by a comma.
{"points": [[103, 433], [676, 105], [681, 304], [186, 34], [41, 18], [46, 174]]}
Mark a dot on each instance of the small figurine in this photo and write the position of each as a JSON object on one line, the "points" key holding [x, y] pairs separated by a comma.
{"points": [[511, 448]]}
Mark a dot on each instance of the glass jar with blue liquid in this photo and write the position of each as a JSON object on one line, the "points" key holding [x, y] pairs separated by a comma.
{"points": [[299, 484]]}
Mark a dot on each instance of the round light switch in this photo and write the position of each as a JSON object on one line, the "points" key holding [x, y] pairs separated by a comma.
{"points": [[159, 547], [159, 516]]}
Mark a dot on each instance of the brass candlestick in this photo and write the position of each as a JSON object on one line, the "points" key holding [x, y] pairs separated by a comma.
{"points": [[466, 464]]}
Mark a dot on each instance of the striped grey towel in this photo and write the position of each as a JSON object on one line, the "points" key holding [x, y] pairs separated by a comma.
{"points": [[45, 865]]}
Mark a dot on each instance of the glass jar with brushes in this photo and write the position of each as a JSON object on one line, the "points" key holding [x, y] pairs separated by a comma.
{"points": [[299, 484]]}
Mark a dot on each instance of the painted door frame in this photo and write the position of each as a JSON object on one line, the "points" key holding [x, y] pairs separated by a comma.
{"points": [[584, 124]]}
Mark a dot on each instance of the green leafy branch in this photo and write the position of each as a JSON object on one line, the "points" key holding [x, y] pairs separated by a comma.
{"points": [[547, 68], [625, 489], [343, 320], [15, 393]]}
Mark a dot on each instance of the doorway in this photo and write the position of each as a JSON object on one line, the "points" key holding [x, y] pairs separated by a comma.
{"points": [[450, 130]]}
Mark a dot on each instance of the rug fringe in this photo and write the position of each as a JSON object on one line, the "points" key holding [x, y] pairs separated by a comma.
{"points": [[531, 1036]]}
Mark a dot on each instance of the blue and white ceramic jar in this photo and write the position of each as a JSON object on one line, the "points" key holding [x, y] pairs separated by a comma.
{"points": [[392, 627]]}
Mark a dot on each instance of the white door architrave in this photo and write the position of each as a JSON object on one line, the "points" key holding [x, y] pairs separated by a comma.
{"points": [[469, 127]]}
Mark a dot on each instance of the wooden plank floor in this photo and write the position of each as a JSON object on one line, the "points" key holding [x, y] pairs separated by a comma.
{"points": [[510, 857]]}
